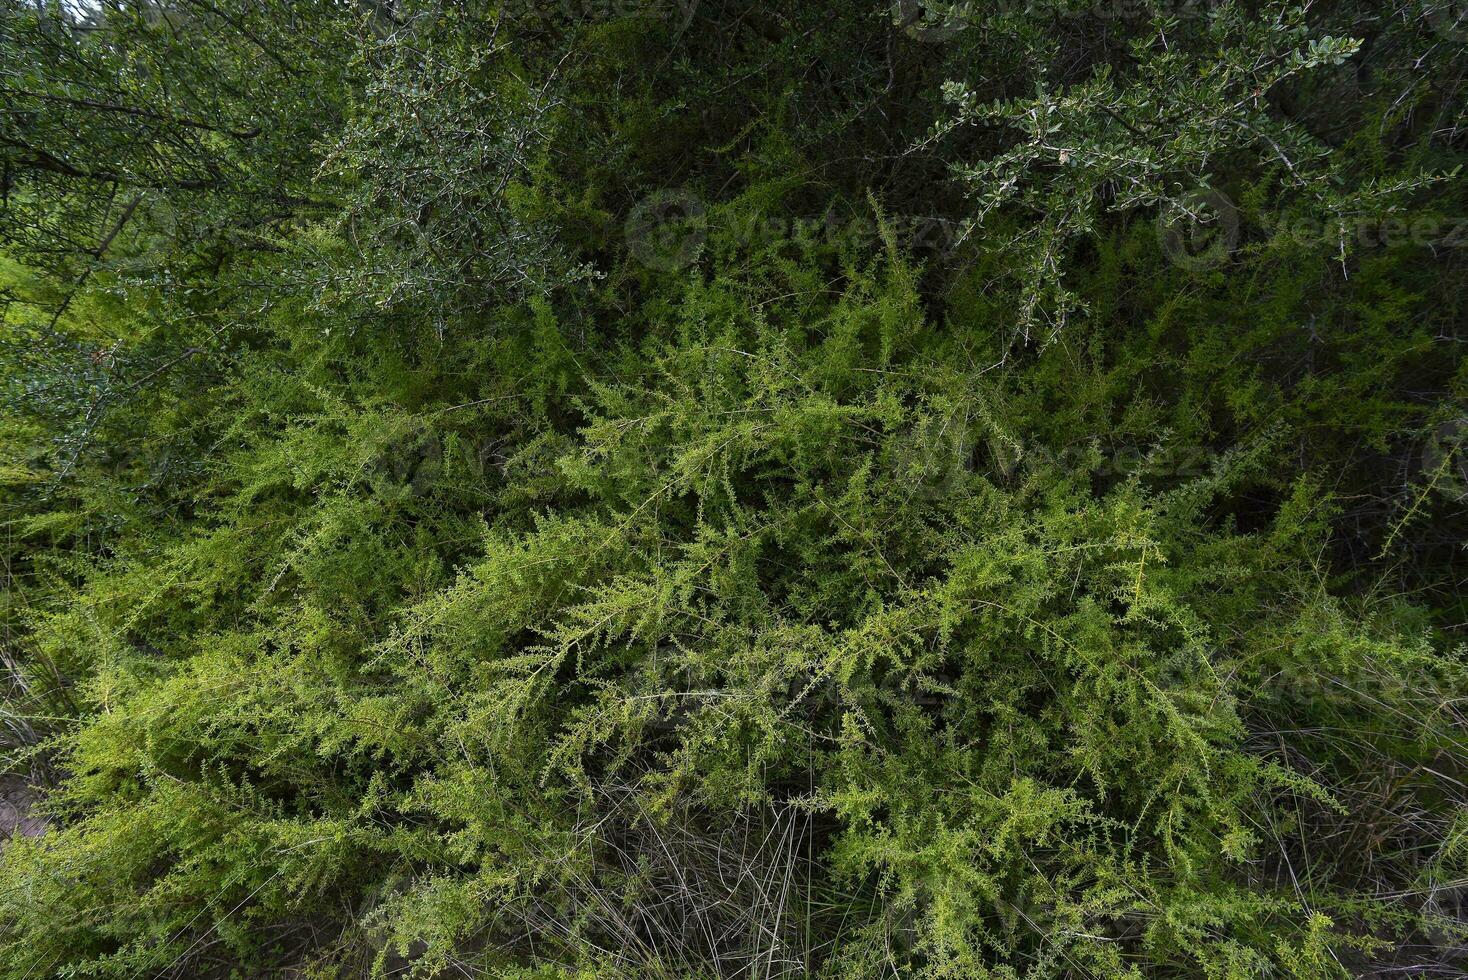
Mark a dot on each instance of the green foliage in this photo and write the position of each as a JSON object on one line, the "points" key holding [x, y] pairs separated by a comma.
{"points": [[416, 566]]}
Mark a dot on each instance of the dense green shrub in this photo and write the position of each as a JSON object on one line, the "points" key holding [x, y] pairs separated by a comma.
{"points": [[718, 490]]}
